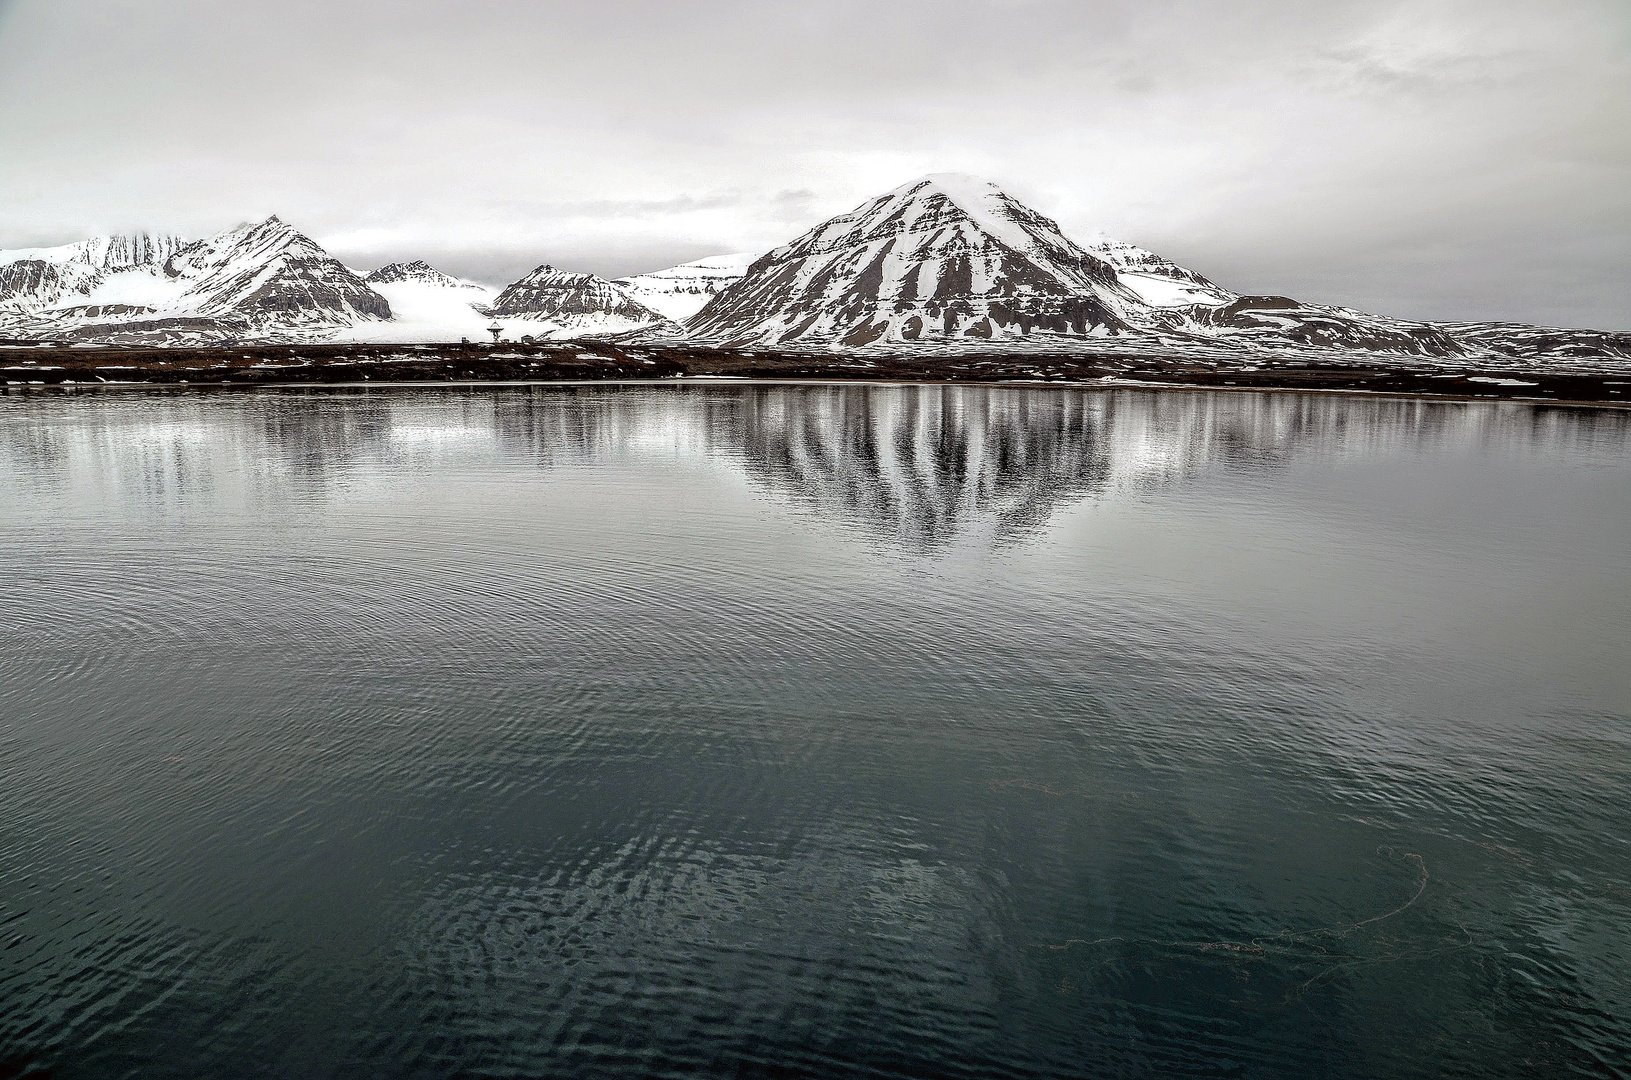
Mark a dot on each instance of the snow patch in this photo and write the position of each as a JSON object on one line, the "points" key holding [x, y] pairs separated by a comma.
{"points": [[423, 311], [1158, 290], [679, 292]]}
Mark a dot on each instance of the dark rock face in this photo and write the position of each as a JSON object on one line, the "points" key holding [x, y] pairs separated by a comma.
{"points": [[179, 330], [35, 280], [548, 294], [139, 249], [309, 291], [104, 311], [942, 257]]}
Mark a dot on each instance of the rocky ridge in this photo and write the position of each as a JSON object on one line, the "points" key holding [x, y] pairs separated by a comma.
{"points": [[418, 271], [569, 304]]}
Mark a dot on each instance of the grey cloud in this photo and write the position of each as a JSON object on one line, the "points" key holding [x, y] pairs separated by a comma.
{"points": [[1369, 68], [640, 208], [1383, 154]]}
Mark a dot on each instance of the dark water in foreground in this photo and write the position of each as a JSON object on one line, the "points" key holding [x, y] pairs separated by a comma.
{"points": [[812, 731]]}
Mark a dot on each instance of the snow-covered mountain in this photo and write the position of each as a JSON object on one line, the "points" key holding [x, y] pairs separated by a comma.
{"points": [[949, 257], [259, 280], [556, 303], [426, 306], [271, 273], [35, 278], [104, 252], [953, 259], [268, 281], [418, 272], [947, 262], [679, 292], [1159, 282], [945, 256]]}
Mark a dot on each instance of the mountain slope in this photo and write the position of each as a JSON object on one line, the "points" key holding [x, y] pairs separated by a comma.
{"points": [[562, 304], [270, 273], [27, 284], [941, 257], [265, 280], [418, 271], [426, 306], [1158, 282], [104, 252], [1551, 345], [83, 272], [679, 292], [1279, 322]]}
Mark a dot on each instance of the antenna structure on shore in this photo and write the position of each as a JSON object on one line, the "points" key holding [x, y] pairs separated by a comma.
{"points": [[495, 330]]}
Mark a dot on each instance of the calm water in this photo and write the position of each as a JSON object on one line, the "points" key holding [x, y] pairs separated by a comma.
{"points": [[821, 731]]}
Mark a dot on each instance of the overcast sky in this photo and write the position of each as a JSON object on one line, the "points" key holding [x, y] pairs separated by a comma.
{"points": [[1420, 158]]}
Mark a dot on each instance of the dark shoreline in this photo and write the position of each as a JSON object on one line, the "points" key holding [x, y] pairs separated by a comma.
{"points": [[589, 362]]}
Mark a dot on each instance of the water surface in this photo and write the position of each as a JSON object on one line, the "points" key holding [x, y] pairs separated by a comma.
{"points": [[804, 730]]}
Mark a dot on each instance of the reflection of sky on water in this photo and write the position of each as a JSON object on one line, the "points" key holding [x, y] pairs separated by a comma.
{"points": [[912, 466], [501, 713]]}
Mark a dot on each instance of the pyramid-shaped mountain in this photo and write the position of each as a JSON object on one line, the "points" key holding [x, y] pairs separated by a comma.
{"points": [[944, 256], [270, 272]]}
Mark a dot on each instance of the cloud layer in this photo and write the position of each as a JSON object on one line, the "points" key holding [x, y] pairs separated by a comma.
{"points": [[1422, 158]]}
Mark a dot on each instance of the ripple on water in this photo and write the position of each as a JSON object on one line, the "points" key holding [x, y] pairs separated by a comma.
{"points": [[896, 731]]}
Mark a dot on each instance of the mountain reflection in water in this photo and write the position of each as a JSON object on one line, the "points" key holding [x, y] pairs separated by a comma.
{"points": [[812, 730], [913, 466]]}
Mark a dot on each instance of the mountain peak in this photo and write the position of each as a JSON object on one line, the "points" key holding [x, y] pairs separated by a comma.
{"points": [[271, 271], [959, 187], [418, 271], [574, 301], [274, 226], [945, 255], [986, 206]]}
